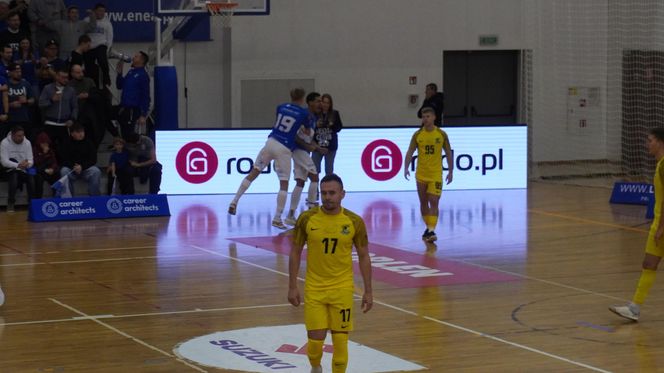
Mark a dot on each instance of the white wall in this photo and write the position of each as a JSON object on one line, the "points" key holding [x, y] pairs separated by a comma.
{"points": [[362, 52]]}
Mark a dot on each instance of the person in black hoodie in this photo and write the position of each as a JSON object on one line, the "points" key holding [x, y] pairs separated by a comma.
{"points": [[434, 100], [79, 157]]}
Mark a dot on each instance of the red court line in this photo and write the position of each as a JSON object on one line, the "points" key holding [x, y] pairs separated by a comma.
{"points": [[400, 268]]}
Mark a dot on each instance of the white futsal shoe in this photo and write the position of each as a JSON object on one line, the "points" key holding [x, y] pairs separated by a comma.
{"points": [[630, 311], [317, 369], [290, 220], [277, 223]]}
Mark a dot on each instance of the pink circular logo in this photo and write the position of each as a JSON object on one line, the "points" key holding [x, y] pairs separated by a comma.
{"points": [[196, 162], [381, 160]]}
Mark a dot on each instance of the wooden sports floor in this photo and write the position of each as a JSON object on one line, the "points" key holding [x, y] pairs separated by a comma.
{"points": [[520, 280]]}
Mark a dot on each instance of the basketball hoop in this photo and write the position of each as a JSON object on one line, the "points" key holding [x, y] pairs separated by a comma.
{"points": [[222, 9]]}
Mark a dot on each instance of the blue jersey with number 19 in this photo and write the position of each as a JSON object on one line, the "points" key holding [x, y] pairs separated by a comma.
{"points": [[289, 119]]}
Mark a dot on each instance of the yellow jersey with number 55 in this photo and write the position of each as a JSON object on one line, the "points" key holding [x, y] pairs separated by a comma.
{"points": [[429, 153], [329, 240]]}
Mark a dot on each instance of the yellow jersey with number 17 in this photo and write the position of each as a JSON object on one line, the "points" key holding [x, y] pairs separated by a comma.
{"points": [[429, 153], [330, 240]]}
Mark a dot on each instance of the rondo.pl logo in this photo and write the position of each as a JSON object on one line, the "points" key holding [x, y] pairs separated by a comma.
{"points": [[196, 162], [381, 160]]}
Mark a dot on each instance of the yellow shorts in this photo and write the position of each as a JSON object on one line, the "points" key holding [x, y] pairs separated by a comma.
{"points": [[433, 187], [652, 248], [329, 309]]}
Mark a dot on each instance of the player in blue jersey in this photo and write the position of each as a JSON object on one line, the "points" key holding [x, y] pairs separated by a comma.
{"points": [[303, 164], [278, 147]]}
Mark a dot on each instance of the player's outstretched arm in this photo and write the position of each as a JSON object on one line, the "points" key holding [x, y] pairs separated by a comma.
{"points": [[293, 270], [365, 270]]}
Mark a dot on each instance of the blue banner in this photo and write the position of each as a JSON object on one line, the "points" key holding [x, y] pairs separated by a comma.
{"points": [[632, 193], [103, 207], [133, 21], [635, 194]]}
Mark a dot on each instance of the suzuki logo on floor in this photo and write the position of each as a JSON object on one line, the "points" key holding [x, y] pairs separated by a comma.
{"points": [[368, 159]]}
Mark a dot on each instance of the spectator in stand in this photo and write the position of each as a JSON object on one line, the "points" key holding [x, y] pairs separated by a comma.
{"points": [[77, 56], [13, 34], [120, 172], [327, 127], [46, 163], [16, 157], [434, 100], [20, 7], [79, 157], [21, 99], [89, 104], [6, 58], [4, 13], [101, 34], [59, 106], [4, 107], [42, 13], [49, 64], [143, 159], [28, 59], [70, 29], [135, 99]]}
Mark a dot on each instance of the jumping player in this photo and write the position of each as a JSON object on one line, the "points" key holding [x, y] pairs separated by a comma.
{"points": [[278, 147]]}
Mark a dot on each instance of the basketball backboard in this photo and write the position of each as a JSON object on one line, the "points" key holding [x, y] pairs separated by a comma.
{"points": [[188, 7]]}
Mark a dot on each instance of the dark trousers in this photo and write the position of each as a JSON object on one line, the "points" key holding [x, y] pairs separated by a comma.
{"points": [[15, 177], [127, 116], [57, 134], [95, 60], [152, 174], [39, 182], [125, 180]]}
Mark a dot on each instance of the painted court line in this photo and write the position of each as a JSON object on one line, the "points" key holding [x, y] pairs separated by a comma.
{"points": [[587, 221], [118, 331], [110, 316], [101, 260], [458, 327]]}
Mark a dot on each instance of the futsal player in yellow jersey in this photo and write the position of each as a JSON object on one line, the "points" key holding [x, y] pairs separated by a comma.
{"points": [[330, 232], [430, 142], [655, 243]]}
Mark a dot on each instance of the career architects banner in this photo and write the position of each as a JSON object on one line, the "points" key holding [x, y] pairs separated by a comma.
{"points": [[102, 207]]}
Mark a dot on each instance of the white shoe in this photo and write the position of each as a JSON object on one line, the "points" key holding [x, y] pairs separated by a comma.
{"points": [[629, 312], [290, 220], [277, 223], [318, 369], [311, 205], [2, 297]]}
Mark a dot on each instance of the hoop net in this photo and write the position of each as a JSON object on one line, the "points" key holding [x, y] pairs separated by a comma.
{"points": [[224, 10]]}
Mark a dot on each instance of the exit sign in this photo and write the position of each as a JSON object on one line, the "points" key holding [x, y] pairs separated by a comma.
{"points": [[488, 40]]}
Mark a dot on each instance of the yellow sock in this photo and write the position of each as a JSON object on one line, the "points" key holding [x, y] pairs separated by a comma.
{"points": [[643, 288], [315, 351], [431, 221], [340, 355]]}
